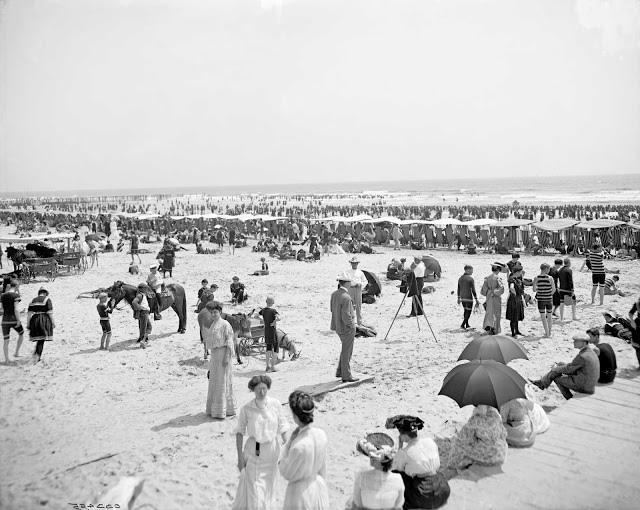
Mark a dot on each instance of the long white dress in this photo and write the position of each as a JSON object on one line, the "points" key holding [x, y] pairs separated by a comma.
{"points": [[303, 464], [257, 487], [220, 399]]}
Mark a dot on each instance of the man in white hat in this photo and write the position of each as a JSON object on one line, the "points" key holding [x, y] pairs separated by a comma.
{"points": [[155, 281], [342, 322], [358, 283]]}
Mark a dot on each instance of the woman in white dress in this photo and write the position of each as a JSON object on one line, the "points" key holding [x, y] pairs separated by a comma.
{"points": [[378, 488], [218, 337], [303, 462], [261, 420]]}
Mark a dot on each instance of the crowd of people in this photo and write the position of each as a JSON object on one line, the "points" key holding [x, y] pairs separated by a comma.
{"points": [[412, 475]]}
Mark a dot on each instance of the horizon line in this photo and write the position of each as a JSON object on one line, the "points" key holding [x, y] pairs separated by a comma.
{"points": [[134, 190]]}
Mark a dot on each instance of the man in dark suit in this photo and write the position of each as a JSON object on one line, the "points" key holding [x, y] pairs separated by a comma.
{"points": [[606, 357], [580, 375], [343, 323]]}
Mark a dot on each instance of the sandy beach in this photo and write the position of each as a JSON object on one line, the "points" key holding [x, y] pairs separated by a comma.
{"points": [[146, 407]]}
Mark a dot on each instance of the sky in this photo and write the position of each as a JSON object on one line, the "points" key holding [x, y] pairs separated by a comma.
{"points": [[99, 94]]}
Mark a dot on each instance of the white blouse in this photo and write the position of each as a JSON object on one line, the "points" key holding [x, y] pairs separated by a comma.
{"points": [[264, 425], [418, 457]]}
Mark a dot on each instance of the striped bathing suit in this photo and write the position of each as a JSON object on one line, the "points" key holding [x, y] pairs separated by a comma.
{"points": [[544, 293], [597, 268]]}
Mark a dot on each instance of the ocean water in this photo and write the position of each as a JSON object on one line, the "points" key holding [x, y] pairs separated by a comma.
{"points": [[560, 189]]}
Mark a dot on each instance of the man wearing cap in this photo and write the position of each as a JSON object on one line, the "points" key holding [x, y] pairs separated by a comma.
{"points": [[342, 322], [155, 282], [580, 375], [238, 293], [606, 357], [358, 283]]}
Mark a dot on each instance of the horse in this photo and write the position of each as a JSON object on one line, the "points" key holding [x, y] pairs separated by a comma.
{"points": [[177, 300]]}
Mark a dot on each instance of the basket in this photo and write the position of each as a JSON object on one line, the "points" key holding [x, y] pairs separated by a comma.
{"points": [[377, 439]]}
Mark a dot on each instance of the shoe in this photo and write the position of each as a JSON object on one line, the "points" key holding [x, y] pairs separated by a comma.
{"points": [[351, 379], [411, 315], [537, 383], [274, 369], [338, 375]]}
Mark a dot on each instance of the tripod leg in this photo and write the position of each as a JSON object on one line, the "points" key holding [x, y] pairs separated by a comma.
{"points": [[396, 315], [416, 304], [428, 323]]}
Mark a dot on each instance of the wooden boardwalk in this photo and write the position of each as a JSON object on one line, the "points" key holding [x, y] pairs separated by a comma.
{"points": [[588, 459]]}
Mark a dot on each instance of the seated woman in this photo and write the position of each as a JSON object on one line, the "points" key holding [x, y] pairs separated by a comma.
{"points": [[264, 269], [238, 293], [482, 440], [418, 462], [520, 428], [377, 488], [393, 270], [471, 249]]}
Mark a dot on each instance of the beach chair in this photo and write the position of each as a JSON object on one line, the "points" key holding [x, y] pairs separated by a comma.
{"points": [[439, 238], [473, 237]]}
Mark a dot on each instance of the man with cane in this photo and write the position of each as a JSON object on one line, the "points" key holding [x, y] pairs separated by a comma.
{"points": [[343, 323], [415, 286]]}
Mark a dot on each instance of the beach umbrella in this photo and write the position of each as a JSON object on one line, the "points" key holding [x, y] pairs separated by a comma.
{"points": [[483, 382], [499, 348], [374, 288], [432, 264], [93, 237]]}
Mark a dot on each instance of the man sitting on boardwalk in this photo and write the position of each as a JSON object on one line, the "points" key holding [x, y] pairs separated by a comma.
{"points": [[580, 375]]}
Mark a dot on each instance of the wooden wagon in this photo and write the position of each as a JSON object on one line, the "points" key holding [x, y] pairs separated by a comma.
{"points": [[32, 268], [75, 261], [255, 344]]}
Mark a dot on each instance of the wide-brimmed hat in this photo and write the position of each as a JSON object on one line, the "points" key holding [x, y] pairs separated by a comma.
{"points": [[153, 266], [404, 423], [376, 445], [42, 289], [354, 260], [343, 277], [102, 295], [235, 278]]}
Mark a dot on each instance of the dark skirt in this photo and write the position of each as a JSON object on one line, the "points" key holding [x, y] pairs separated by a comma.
{"points": [[515, 308], [429, 491], [41, 327]]}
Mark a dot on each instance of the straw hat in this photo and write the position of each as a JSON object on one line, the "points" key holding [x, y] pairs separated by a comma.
{"points": [[343, 277], [354, 260]]}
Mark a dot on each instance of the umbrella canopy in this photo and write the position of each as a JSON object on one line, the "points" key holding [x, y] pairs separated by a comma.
{"points": [[499, 348], [92, 237], [483, 382], [374, 288], [432, 264]]}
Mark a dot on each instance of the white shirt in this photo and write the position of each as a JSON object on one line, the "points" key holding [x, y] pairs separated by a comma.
{"points": [[418, 457], [419, 270], [261, 424], [357, 278]]}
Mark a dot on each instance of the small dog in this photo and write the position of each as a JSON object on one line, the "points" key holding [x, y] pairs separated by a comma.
{"points": [[287, 343]]}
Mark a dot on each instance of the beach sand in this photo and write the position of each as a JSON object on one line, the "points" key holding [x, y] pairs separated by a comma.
{"points": [[147, 406]]}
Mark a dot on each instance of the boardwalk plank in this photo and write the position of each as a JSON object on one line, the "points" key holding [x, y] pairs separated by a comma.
{"points": [[590, 448]]}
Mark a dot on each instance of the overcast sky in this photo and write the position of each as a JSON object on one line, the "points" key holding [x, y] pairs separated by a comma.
{"points": [[124, 93]]}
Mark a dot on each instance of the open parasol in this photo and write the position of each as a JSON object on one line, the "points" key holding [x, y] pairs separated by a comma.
{"points": [[374, 287], [499, 348], [483, 382]]}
